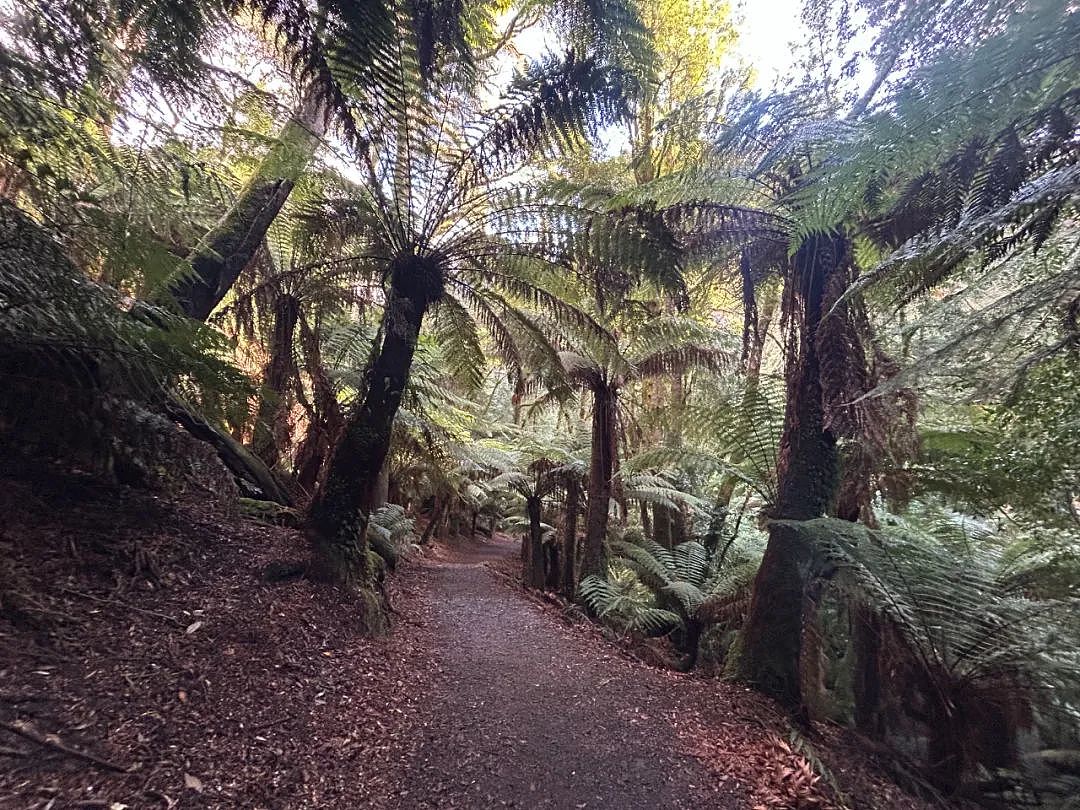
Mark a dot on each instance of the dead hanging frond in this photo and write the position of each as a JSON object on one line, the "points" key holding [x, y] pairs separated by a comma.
{"points": [[681, 359]]}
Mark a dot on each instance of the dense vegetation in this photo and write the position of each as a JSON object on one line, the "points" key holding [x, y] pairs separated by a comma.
{"points": [[790, 379]]}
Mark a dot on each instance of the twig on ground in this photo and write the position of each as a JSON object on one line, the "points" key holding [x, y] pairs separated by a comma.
{"points": [[125, 605], [271, 724], [28, 732], [22, 697]]}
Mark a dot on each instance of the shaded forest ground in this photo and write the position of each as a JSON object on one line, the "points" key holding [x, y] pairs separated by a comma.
{"points": [[143, 661]]}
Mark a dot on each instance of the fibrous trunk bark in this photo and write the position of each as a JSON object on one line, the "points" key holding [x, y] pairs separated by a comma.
{"points": [[272, 425], [229, 247], [324, 416], [771, 642], [601, 465], [337, 519]]}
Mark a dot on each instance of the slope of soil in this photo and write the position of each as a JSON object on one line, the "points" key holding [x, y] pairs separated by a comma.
{"points": [[139, 632]]}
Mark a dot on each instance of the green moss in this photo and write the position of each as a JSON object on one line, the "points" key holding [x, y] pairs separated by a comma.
{"points": [[732, 663], [714, 648], [269, 512], [373, 614]]}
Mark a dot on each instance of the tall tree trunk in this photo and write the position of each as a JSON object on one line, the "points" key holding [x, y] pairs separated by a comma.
{"points": [[533, 556], [272, 425], [771, 642], [568, 571], [228, 248], [337, 519], [601, 466]]}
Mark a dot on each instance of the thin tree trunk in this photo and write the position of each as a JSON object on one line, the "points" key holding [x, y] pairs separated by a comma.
{"points": [[228, 248], [601, 466], [436, 516], [271, 426], [568, 572], [337, 519], [771, 643], [755, 331]]}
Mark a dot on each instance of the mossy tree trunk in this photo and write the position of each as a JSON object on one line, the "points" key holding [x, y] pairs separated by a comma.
{"points": [[229, 247], [601, 467], [337, 518], [770, 647]]}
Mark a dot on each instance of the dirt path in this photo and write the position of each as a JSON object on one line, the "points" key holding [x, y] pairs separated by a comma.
{"points": [[529, 713]]}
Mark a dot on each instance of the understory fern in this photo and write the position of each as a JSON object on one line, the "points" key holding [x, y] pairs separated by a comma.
{"points": [[654, 590]]}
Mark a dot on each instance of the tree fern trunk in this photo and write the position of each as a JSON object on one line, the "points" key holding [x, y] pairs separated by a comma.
{"points": [[601, 465], [770, 646], [533, 557], [661, 525], [271, 427], [229, 247], [324, 417], [679, 531], [568, 562], [433, 523], [338, 517]]}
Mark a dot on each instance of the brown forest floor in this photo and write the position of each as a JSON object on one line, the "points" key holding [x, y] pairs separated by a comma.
{"points": [[145, 664]]}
